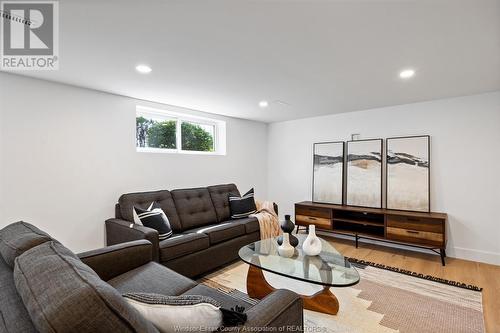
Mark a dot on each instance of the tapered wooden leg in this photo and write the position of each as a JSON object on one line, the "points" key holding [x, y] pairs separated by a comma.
{"points": [[442, 252], [323, 301]]}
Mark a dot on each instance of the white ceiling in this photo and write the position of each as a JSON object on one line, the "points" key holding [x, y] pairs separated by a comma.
{"points": [[319, 57]]}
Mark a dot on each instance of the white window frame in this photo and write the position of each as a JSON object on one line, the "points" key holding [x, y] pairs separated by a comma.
{"points": [[179, 117]]}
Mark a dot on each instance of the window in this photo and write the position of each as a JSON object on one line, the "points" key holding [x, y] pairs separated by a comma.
{"points": [[174, 132]]}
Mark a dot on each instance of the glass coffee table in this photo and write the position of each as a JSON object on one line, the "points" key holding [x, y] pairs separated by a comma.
{"points": [[328, 269]]}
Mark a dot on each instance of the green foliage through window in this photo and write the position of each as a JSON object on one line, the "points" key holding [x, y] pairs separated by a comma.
{"points": [[194, 137], [162, 134]]}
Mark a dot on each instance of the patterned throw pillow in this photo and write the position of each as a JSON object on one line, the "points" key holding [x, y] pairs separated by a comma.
{"points": [[154, 217], [242, 206], [185, 313]]}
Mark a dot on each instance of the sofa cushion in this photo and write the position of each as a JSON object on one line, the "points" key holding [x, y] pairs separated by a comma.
{"points": [[182, 244], [218, 233], [144, 200], [251, 224], [194, 207], [13, 314], [62, 294], [152, 278], [220, 198], [16, 238], [224, 299]]}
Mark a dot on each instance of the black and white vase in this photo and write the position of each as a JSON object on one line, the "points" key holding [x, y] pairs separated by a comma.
{"points": [[288, 226]]}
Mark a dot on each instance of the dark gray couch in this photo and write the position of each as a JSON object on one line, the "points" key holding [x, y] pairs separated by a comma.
{"points": [[204, 236], [47, 288]]}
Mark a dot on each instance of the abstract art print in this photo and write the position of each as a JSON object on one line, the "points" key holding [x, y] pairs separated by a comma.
{"points": [[328, 172], [364, 173], [408, 173]]}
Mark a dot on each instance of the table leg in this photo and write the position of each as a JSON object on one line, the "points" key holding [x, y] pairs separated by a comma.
{"points": [[323, 301]]}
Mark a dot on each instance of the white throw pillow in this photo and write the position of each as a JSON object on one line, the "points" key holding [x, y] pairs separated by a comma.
{"points": [[169, 314]]}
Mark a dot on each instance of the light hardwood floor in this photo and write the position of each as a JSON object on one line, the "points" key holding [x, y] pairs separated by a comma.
{"points": [[470, 272]]}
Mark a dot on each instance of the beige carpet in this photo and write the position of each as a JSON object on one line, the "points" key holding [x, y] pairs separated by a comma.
{"points": [[383, 302]]}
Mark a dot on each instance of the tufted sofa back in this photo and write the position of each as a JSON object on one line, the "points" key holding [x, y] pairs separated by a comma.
{"points": [[220, 199], [185, 208], [194, 207]]}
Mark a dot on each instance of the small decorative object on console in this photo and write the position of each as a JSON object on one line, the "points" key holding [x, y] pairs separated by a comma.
{"points": [[312, 244], [285, 249], [288, 226]]}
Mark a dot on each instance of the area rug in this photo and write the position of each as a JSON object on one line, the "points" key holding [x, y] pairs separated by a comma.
{"points": [[386, 300]]}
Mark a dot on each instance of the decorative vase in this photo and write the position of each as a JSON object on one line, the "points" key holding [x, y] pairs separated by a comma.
{"points": [[288, 226], [312, 244], [285, 249]]}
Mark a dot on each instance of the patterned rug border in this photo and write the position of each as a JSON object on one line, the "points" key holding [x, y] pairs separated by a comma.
{"points": [[415, 274]]}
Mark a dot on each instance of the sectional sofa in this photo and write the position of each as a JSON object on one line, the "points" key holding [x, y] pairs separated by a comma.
{"points": [[47, 288], [205, 237]]}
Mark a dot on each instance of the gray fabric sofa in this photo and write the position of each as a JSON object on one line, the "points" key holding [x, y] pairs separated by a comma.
{"points": [[47, 288], [204, 236]]}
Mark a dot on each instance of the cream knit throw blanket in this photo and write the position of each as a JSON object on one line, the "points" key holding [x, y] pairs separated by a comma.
{"points": [[268, 220]]}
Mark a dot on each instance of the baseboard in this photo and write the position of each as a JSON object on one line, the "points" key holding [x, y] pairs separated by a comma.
{"points": [[453, 252], [477, 255]]}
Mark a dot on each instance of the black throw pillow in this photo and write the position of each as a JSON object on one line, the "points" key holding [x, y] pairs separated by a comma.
{"points": [[242, 206], [154, 217]]}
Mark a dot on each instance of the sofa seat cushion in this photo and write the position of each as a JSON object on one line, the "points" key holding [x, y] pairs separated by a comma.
{"points": [[224, 299], [16, 238], [163, 198], [62, 294], [251, 224], [220, 199], [13, 314], [195, 207], [152, 278], [219, 233], [182, 244]]}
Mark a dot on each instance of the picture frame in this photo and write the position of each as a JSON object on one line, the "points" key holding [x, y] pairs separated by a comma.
{"points": [[328, 172], [364, 173], [408, 173]]}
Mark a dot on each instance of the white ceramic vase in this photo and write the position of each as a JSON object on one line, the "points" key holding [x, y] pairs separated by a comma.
{"points": [[286, 250], [312, 244]]}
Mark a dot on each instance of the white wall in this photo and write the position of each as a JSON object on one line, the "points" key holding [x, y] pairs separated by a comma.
{"points": [[465, 161], [68, 153]]}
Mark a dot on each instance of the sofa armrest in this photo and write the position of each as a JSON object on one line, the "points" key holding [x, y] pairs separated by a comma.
{"points": [[114, 260], [121, 231], [282, 309]]}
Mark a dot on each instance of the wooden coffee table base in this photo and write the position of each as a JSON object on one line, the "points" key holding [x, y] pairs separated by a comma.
{"points": [[323, 301]]}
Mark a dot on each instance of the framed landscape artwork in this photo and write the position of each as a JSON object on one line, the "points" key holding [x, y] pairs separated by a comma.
{"points": [[364, 173], [328, 172], [408, 173]]}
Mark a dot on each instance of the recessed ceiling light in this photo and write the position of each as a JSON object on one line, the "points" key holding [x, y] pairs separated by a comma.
{"points": [[144, 69], [407, 73], [263, 104]]}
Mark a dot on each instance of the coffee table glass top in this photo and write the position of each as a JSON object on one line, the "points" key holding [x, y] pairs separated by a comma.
{"points": [[329, 268]]}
